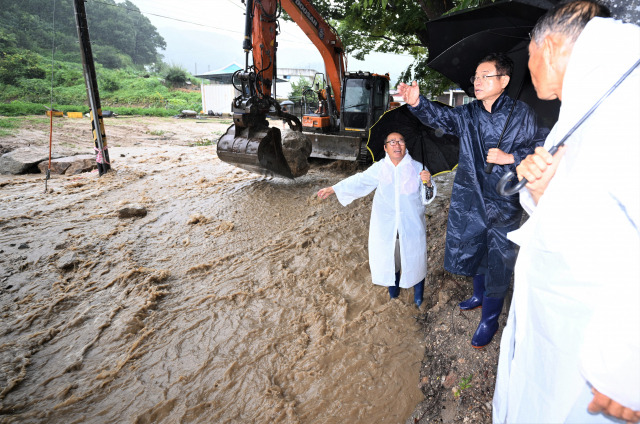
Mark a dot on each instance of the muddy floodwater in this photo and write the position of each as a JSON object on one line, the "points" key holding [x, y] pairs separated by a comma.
{"points": [[178, 288]]}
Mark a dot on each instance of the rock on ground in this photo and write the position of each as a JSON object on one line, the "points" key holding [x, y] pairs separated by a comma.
{"points": [[132, 212], [24, 160], [296, 148], [69, 165]]}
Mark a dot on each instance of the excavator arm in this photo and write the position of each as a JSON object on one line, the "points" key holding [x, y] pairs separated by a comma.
{"points": [[250, 143], [324, 37]]}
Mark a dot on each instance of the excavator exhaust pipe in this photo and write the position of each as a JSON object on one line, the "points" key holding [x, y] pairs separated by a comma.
{"points": [[261, 150]]}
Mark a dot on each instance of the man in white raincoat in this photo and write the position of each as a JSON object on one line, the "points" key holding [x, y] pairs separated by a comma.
{"points": [[398, 224], [572, 341]]}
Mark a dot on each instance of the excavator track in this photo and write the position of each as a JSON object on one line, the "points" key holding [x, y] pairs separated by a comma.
{"points": [[364, 156]]}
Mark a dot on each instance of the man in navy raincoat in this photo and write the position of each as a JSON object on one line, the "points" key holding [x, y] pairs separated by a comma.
{"points": [[479, 218]]}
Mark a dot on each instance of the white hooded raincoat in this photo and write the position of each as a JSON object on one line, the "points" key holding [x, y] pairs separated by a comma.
{"points": [[397, 210], [574, 320]]}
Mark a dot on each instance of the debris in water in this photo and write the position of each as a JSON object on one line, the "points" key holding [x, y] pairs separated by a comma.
{"points": [[296, 148], [132, 212]]}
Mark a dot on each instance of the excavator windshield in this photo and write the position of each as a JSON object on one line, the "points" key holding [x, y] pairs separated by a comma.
{"points": [[357, 97], [365, 100]]}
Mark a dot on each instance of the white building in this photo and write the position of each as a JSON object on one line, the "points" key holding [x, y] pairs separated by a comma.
{"points": [[454, 97], [218, 95], [290, 75]]}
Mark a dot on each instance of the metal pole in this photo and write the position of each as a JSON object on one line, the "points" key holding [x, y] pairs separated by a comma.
{"points": [[89, 71]]}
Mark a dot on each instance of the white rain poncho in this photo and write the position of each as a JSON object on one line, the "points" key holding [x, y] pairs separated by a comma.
{"points": [[574, 320], [397, 210]]}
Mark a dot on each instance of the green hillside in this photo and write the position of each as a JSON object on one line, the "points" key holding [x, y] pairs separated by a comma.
{"points": [[131, 74]]}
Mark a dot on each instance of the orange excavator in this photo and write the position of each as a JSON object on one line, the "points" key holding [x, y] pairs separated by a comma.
{"points": [[347, 105]]}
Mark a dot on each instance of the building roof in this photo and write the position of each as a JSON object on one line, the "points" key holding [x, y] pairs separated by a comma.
{"points": [[224, 74]]}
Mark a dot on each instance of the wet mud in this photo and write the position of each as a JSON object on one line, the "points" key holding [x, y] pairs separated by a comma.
{"points": [[177, 288], [234, 298]]}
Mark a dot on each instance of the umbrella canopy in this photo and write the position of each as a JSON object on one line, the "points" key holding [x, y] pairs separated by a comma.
{"points": [[517, 14], [429, 146], [457, 42]]}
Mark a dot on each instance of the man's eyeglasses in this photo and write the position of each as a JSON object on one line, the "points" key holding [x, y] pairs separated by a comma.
{"points": [[483, 77], [395, 142]]}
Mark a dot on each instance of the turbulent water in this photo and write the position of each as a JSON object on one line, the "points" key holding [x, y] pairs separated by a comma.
{"points": [[226, 298]]}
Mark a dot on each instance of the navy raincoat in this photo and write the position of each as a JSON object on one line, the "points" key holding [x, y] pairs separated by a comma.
{"points": [[479, 217]]}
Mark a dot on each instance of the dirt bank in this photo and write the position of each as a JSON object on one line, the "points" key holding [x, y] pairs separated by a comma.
{"points": [[179, 288]]}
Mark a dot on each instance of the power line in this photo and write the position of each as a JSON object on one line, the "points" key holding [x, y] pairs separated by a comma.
{"points": [[280, 38], [236, 4], [120, 5]]}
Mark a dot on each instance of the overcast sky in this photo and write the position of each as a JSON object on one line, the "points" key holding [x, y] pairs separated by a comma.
{"points": [[207, 34]]}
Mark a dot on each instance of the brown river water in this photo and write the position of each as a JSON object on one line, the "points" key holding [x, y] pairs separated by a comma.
{"points": [[236, 299]]}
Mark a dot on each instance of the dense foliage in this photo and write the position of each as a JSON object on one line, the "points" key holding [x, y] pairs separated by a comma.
{"points": [[121, 90], [304, 87], [123, 41], [392, 26], [125, 46], [120, 34]]}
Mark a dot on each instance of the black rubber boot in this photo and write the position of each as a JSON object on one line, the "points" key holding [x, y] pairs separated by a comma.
{"points": [[474, 301], [394, 291], [491, 309], [418, 291]]}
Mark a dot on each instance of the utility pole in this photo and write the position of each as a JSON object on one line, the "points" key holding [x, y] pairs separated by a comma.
{"points": [[89, 71]]}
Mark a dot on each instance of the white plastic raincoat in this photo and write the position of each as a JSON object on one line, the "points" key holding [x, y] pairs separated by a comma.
{"points": [[574, 320], [397, 210]]}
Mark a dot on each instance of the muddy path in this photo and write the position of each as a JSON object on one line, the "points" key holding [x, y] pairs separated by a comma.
{"points": [[180, 289]]}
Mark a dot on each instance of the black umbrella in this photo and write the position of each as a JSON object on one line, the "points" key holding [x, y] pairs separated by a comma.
{"points": [[519, 14], [429, 146], [457, 42]]}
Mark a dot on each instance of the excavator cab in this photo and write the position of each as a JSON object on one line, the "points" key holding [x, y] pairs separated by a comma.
{"points": [[365, 97], [349, 103]]}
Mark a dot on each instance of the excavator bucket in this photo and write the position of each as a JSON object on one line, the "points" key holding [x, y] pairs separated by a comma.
{"points": [[257, 150]]}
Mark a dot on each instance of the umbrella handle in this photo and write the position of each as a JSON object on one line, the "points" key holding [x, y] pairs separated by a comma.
{"points": [[502, 189], [502, 185], [489, 168]]}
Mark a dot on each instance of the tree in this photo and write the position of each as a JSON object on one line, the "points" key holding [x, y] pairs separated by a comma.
{"points": [[115, 29], [303, 92], [122, 26], [392, 26], [176, 75], [18, 65]]}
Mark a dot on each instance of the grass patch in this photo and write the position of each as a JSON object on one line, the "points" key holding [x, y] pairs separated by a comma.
{"points": [[35, 119], [125, 91], [141, 111], [465, 383], [68, 145], [9, 123], [9, 126], [18, 108], [202, 142]]}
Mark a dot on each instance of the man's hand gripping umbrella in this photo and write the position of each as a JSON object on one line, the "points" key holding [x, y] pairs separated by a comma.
{"points": [[502, 184]]}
